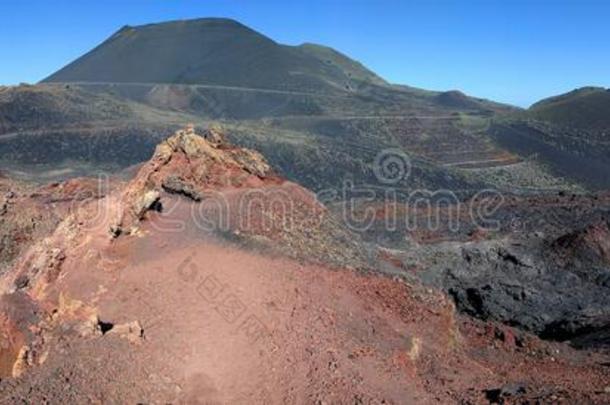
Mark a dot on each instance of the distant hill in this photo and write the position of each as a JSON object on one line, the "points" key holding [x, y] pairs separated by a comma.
{"points": [[188, 65], [585, 108], [49, 124], [213, 51], [457, 99], [318, 115], [24, 107], [569, 132], [354, 70]]}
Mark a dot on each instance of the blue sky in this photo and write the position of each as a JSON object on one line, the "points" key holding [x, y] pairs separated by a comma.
{"points": [[511, 51]]}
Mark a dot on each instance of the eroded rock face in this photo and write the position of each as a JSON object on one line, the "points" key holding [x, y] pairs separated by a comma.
{"points": [[256, 205], [26, 216], [176, 185], [144, 202]]}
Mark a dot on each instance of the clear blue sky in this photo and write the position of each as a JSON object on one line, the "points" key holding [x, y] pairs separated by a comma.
{"points": [[510, 51]]}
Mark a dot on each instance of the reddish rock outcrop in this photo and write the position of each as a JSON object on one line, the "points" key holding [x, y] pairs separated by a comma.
{"points": [[189, 165]]}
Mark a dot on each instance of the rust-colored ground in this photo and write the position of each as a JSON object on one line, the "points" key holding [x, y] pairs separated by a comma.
{"points": [[182, 315]]}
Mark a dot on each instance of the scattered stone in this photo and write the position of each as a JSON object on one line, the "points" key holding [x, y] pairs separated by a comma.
{"points": [[115, 231], [22, 282], [95, 327], [90, 328], [499, 395], [23, 362], [54, 259], [414, 348], [131, 331], [506, 335]]}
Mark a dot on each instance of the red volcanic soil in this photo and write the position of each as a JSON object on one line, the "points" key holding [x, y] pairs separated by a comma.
{"points": [[224, 325], [179, 315]]}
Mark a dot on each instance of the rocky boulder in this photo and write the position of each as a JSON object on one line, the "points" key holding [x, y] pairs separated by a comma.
{"points": [[189, 164]]}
